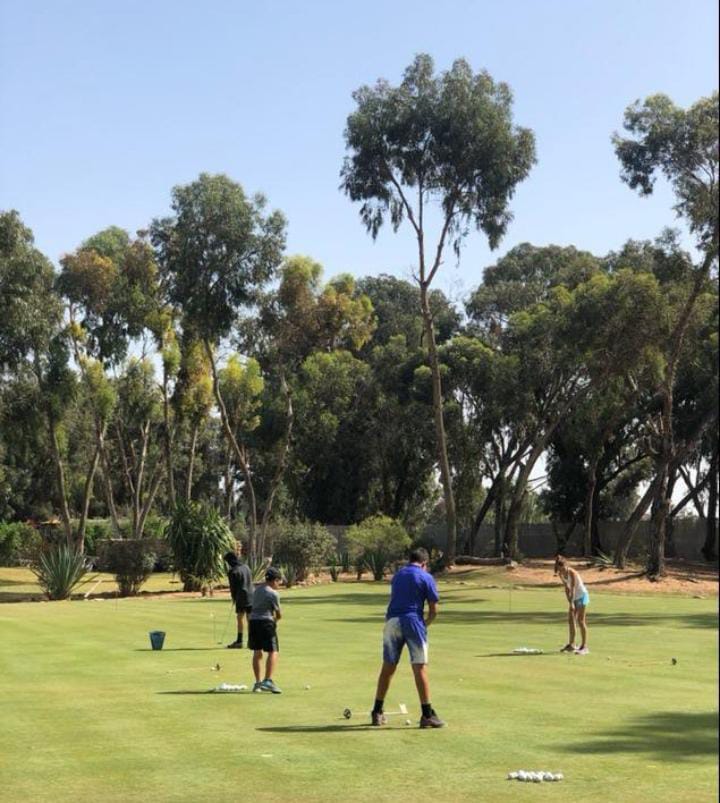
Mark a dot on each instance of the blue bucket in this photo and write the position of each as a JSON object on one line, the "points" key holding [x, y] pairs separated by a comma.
{"points": [[157, 639]]}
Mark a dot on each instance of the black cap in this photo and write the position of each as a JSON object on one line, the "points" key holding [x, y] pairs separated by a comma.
{"points": [[273, 574], [231, 558]]}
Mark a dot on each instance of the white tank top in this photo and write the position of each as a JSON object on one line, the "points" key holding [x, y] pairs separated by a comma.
{"points": [[579, 586]]}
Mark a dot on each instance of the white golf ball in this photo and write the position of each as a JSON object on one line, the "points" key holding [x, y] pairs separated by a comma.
{"points": [[307, 687], [408, 722], [522, 775], [512, 776], [559, 776]]}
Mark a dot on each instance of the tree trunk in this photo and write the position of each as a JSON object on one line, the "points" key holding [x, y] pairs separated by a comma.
{"points": [[282, 465], [499, 524], [480, 515], [60, 477], [656, 552], [510, 543], [87, 495], [238, 452], [590, 508], [443, 461], [709, 549], [168, 443], [191, 462], [670, 549]]}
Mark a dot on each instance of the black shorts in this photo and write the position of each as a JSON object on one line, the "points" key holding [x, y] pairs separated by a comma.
{"points": [[263, 636], [247, 609]]}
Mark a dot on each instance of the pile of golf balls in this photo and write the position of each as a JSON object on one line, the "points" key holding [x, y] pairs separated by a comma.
{"points": [[230, 687], [534, 777], [527, 651]]}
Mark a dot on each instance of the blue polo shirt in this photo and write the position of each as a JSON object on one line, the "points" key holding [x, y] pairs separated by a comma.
{"points": [[410, 587]]}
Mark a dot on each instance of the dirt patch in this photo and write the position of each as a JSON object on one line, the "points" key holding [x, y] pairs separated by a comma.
{"points": [[690, 579]]}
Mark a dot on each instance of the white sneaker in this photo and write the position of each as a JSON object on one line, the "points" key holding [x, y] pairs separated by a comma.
{"points": [[582, 651]]}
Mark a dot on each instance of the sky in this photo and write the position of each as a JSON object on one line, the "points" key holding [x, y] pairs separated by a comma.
{"points": [[105, 106]]}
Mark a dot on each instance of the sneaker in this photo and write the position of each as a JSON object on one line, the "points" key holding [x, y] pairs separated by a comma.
{"points": [[236, 645], [257, 686], [378, 718], [569, 648], [433, 721], [268, 685], [582, 651]]}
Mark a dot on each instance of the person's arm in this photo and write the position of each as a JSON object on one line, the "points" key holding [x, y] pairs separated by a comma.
{"points": [[431, 614], [277, 612]]}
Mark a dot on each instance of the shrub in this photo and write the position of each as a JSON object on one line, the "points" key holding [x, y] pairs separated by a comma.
{"points": [[302, 545], [375, 543], [19, 543], [132, 562], [258, 566], [345, 561], [155, 527], [59, 570], [290, 574], [199, 538]]}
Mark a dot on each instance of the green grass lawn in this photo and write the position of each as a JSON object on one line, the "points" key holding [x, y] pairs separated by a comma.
{"points": [[90, 713]]}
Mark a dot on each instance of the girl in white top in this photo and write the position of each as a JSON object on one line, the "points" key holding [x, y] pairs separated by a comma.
{"points": [[578, 599]]}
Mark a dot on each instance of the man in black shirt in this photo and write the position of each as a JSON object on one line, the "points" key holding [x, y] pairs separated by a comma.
{"points": [[241, 590]]}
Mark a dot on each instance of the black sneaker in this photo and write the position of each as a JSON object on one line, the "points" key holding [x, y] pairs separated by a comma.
{"points": [[378, 718], [433, 721], [236, 645]]}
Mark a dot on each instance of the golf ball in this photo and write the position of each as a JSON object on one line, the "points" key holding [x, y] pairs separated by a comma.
{"points": [[347, 713], [408, 722], [307, 687]]}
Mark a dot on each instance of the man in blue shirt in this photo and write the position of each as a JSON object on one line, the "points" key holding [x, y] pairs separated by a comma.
{"points": [[406, 624]]}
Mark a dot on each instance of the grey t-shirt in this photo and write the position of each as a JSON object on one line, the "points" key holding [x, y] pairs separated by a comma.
{"points": [[265, 602]]}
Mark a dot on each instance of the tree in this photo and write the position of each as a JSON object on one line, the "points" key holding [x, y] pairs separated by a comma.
{"points": [[215, 254], [681, 145], [446, 139], [32, 339]]}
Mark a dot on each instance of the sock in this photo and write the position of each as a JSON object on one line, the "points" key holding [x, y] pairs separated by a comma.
{"points": [[427, 709], [378, 708]]}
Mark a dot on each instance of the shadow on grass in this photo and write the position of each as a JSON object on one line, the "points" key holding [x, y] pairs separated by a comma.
{"points": [[179, 649], [206, 691], [694, 620], [520, 655], [323, 729], [665, 736]]}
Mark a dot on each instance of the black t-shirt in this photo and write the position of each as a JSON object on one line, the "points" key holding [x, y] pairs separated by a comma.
{"points": [[241, 585]]}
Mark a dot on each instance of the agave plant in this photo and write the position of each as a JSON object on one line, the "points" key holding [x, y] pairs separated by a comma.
{"points": [[59, 570], [290, 574], [258, 567], [199, 538]]}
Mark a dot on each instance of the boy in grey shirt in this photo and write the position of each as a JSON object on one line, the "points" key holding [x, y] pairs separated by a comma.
{"points": [[263, 630]]}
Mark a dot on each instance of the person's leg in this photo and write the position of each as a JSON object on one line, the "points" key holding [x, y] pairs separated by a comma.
{"points": [[422, 683], [582, 624], [571, 626], [383, 684], [257, 663], [270, 664], [240, 627]]}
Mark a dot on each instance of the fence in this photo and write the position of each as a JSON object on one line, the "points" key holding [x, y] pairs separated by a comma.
{"points": [[539, 540]]}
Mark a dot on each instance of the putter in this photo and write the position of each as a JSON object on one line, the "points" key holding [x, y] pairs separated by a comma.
{"points": [[347, 713]]}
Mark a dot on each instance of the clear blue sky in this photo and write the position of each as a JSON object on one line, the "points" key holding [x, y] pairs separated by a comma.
{"points": [[105, 106]]}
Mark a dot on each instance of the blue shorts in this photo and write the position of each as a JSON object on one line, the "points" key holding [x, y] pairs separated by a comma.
{"points": [[584, 600], [402, 630]]}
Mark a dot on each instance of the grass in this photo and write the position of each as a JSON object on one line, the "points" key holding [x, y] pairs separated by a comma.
{"points": [[90, 713]]}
